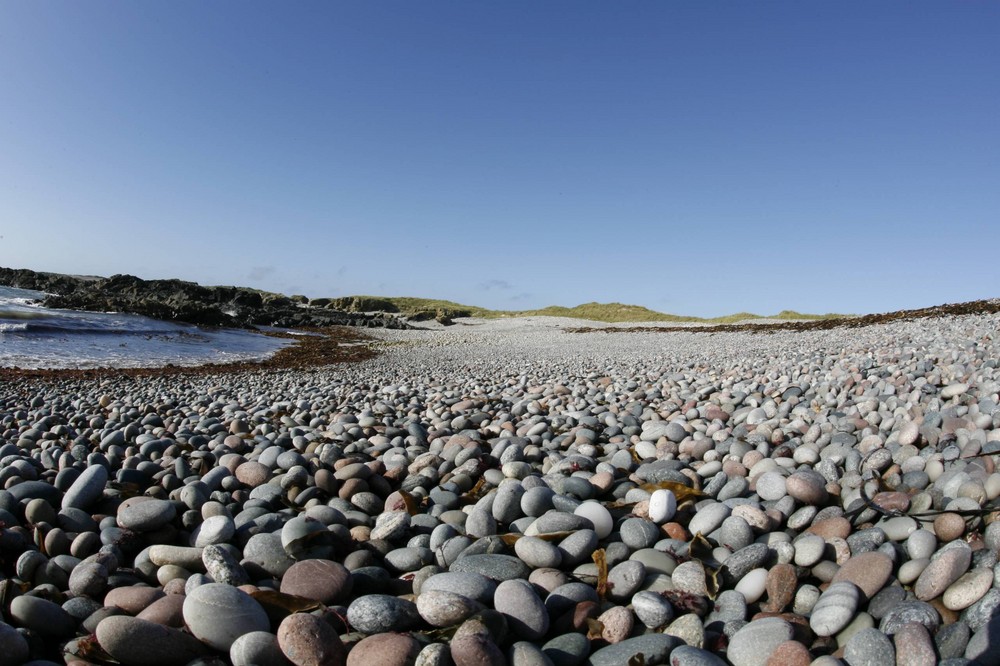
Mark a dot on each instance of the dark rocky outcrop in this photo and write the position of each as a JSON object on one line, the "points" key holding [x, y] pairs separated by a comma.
{"points": [[189, 302]]}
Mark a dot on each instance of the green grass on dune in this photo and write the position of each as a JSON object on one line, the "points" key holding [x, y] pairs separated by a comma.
{"points": [[605, 312]]}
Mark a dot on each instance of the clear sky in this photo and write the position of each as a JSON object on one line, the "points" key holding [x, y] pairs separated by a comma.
{"points": [[699, 158]]}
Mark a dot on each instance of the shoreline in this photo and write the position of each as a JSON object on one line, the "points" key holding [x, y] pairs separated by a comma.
{"points": [[319, 347], [737, 487]]}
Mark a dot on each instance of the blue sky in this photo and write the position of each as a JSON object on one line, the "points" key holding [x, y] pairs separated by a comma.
{"points": [[694, 157]]}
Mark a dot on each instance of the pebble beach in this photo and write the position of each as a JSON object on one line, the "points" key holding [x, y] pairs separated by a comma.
{"points": [[514, 492]]}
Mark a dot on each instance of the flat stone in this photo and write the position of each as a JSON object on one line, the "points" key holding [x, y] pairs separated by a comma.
{"points": [[137, 642], [654, 648]]}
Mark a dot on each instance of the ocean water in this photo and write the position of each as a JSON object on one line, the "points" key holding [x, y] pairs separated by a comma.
{"points": [[32, 336]]}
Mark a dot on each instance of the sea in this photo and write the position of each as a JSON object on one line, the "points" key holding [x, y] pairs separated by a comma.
{"points": [[36, 337]]}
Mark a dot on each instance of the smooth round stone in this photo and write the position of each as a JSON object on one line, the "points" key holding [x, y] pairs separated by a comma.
{"points": [[266, 552], [181, 556], [809, 549], [578, 547], [808, 487], [88, 579], [745, 560], [258, 648], [384, 650], [690, 577], [146, 515], [168, 610], [13, 647], [136, 642], [379, 613], [472, 585], [523, 653], [860, 621], [214, 530], [968, 589], [921, 544], [321, 580], [526, 613], [308, 640], [978, 614], [655, 561], [624, 579], [771, 486], [87, 489], [914, 645], [220, 563], [899, 528], [537, 553], [652, 609], [909, 433], [639, 533], [909, 611], [567, 649], [953, 390], [558, 521], [947, 565], [869, 647], [597, 514], [217, 614], [133, 599], [653, 648], [495, 567], [688, 655], [662, 506], [805, 599], [753, 644], [444, 609], [708, 519], [735, 533], [835, 608], [688, 628], [949, 526], [537, 501], [752, 585], [868, 571], [42, 616], [910, 571]]}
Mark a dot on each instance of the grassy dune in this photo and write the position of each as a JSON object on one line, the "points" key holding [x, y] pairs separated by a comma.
{"points": [[607, 312]]}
